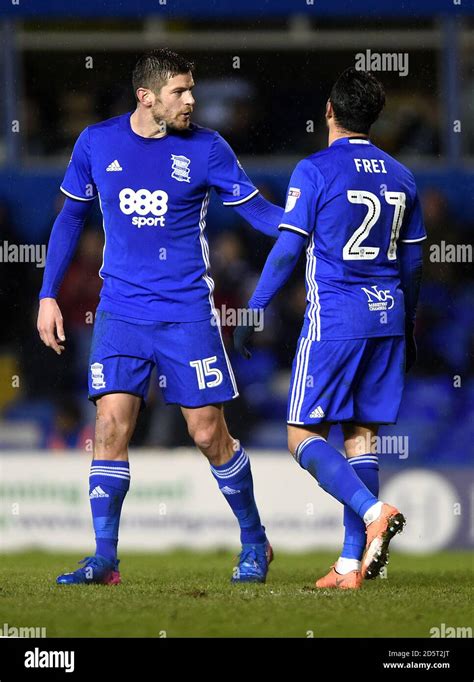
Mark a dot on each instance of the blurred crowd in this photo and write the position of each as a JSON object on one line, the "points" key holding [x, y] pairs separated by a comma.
{"points": [[43, 397], [249, 101]]}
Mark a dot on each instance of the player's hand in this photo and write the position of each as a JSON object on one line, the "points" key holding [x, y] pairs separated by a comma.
{"points": [[410, 346], [50, 324], [242, 335]]}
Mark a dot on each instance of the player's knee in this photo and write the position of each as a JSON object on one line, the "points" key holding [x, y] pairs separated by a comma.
{"points": [[204, 435], [292, 444], [111, 431]]}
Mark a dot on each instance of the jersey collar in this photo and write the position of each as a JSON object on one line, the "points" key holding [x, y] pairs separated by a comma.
{"points": [[352, 139]]}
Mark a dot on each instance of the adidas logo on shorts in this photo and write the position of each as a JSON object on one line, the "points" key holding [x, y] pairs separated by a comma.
{"points": [[318, 412], [98, 492]]}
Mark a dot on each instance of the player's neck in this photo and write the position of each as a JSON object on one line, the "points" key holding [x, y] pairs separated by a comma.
{"points": [[143, 124], [337, 134]]}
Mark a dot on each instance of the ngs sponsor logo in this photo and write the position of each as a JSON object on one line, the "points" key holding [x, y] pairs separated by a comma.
{"points": [[150, 207], [378, 299]]}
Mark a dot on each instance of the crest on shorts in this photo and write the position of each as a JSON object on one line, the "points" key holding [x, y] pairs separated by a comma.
{"points": [[98, 380], [180, 168]]}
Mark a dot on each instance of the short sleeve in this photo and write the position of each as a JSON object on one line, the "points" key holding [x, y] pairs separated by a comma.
{"points": [[227, 176], [413, 228], [78, 182], [305, 191]]}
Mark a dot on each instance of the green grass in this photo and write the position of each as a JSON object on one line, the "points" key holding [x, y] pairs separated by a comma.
{"points": [[189, 594]]}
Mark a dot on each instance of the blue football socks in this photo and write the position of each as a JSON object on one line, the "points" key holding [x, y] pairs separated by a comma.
{"points": [[109, 482], [367, 469], [334, 474], [235, 483]]}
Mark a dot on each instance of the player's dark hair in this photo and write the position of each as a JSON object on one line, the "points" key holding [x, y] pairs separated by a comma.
{"points": [[154, 68], [357, 99]]}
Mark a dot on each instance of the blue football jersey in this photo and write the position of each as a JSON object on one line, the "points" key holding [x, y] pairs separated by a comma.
{"points": [[154, 195], [355, 203]]}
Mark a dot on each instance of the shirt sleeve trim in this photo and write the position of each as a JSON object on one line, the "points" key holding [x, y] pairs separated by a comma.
{"points": [[73, 196], [240, 201], [412, 241], [292, 228]]}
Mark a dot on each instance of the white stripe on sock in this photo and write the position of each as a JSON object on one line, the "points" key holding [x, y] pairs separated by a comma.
{"points": [[303, 444], [123, 478], [234, 469]]}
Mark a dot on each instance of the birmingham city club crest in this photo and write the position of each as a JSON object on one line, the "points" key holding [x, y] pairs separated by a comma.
{"points": [[180, 168]]}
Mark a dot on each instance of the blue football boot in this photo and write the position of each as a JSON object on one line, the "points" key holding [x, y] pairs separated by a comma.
{"points": [[96, 570], [253, 565]]}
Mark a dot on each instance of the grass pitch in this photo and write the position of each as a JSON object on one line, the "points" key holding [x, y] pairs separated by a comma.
{"points": [[187, 594]]}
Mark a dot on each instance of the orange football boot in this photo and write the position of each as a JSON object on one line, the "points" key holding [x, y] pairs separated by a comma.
{"points": [[346, 581], [379, 533]]}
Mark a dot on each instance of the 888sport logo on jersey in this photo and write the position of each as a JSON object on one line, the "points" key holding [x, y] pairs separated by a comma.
{"points": [[147, 207]]}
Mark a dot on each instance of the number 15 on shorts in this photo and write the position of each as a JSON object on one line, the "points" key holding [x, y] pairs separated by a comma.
{"points": [[207, 376]]}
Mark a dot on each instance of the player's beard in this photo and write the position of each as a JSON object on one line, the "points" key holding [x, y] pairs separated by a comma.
{"points": [[171, 124], [174, 125]]}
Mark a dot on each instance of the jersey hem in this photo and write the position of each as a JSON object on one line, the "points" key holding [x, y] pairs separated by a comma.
{"points": [[122, 311]]}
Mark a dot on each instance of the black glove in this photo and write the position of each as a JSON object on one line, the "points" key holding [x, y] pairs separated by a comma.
{"points": [[410, 345], [242, 335]]}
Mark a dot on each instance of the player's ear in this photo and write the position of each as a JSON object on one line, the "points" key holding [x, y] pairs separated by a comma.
{"points": [[145, 97], [329, 109]]}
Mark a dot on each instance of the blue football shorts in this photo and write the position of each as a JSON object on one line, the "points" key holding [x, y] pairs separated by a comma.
{"points": [[355, 380], [192, 365]]}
